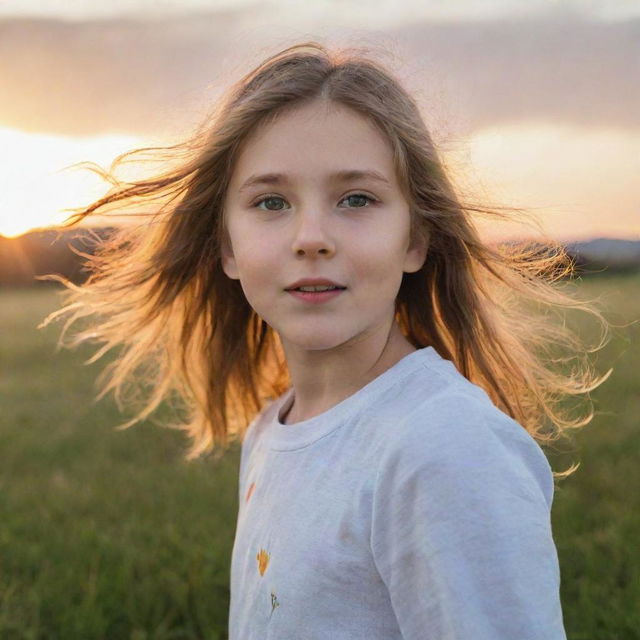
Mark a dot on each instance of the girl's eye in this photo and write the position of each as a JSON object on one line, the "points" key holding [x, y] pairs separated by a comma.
{"points": [[360, 197], [269, 199], [276, 203]]}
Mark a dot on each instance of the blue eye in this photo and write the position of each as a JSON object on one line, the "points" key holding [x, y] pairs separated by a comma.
{"points": [[276, 203], [362, 196], [268, 199]]}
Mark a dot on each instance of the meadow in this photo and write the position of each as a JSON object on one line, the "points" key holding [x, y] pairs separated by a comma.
{"points": [[108, 534]]}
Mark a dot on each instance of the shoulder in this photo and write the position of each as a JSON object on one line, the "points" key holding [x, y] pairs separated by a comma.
{"points": [[461, 501], [459, 438]]}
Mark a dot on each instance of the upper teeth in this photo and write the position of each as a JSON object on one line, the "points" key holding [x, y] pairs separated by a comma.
{"points": [[320, 287]]}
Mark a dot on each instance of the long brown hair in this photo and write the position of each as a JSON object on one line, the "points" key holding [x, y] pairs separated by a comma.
{"points": [[185, 331]]}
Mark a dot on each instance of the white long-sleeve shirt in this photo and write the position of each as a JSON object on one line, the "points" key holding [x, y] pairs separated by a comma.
{"points": [[413, 509]]}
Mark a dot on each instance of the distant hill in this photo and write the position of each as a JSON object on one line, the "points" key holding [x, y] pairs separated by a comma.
{"points": [[608, 250], [50, 251], [45, 252], [608, 254]]}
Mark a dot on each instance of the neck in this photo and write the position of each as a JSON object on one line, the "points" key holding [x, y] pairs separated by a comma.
{"points": [[323, 378]]}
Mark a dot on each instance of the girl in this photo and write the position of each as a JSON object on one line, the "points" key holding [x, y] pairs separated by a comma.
{"points": [[311, 272]]}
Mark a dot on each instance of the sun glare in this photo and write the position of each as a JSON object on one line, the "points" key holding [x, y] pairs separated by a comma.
{"points": [[577, 183], [35, 188]]}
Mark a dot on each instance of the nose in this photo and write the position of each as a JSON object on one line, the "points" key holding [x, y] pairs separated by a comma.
{"points": [[312, 236]]}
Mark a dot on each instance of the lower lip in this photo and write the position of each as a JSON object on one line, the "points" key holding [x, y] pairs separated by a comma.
{"points": [[316, 297]]}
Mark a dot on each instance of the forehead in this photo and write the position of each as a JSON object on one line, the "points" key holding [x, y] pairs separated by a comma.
{"points": [[312, 141]]}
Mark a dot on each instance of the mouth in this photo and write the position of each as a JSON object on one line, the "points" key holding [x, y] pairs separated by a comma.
{"points": [[314, 284], [311, 290], [316, 297]]}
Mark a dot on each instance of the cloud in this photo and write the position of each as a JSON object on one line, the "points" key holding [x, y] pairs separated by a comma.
{"points": [[156, 75], [559, 68]]}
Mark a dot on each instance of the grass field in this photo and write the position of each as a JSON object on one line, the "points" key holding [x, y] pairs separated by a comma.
{"points": [[109, 534]]}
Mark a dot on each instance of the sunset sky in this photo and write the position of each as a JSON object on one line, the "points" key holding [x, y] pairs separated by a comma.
{"points": [[533, 105]]}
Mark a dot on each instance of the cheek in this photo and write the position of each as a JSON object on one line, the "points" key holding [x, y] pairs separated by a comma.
{"points": [[254, 254], [262, 264], [258, 273], [378, 263]]}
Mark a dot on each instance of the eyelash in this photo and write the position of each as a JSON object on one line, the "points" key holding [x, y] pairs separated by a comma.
{"points": [[351, 195]]}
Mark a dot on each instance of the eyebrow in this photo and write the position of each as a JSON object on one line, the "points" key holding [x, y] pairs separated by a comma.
{"points": [[346, 175]]}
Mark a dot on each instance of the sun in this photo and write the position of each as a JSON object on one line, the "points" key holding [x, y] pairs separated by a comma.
{"points": [[35, 187]]}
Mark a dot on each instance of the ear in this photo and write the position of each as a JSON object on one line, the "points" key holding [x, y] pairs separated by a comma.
{"points": [[229, 265], [416, 252]]}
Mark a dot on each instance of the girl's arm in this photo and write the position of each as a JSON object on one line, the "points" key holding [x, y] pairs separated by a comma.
{"points": [[461, 531]]}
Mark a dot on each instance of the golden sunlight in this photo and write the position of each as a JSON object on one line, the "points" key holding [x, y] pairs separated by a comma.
{"points": [[34, 185], [578, 183]]}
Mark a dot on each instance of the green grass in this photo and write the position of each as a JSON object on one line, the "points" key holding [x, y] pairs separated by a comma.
{"points": [[103, 533], [109, 534], [596, 512]]}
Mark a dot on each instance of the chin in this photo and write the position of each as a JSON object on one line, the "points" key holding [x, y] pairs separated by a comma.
{"points": [[312, 340], [314, 344]]}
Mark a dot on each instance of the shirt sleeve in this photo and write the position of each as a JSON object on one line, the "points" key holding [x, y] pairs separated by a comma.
{"points": [[461, 532]]}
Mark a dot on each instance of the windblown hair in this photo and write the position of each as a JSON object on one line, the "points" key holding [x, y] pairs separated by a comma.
{"points": [[184, 330]]}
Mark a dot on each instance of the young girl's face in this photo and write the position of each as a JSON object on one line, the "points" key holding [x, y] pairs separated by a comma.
{"points": [[291, 215]]}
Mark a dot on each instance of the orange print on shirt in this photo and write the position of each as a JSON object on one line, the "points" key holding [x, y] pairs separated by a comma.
{"points": [[263, 561], [250, 491]]}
